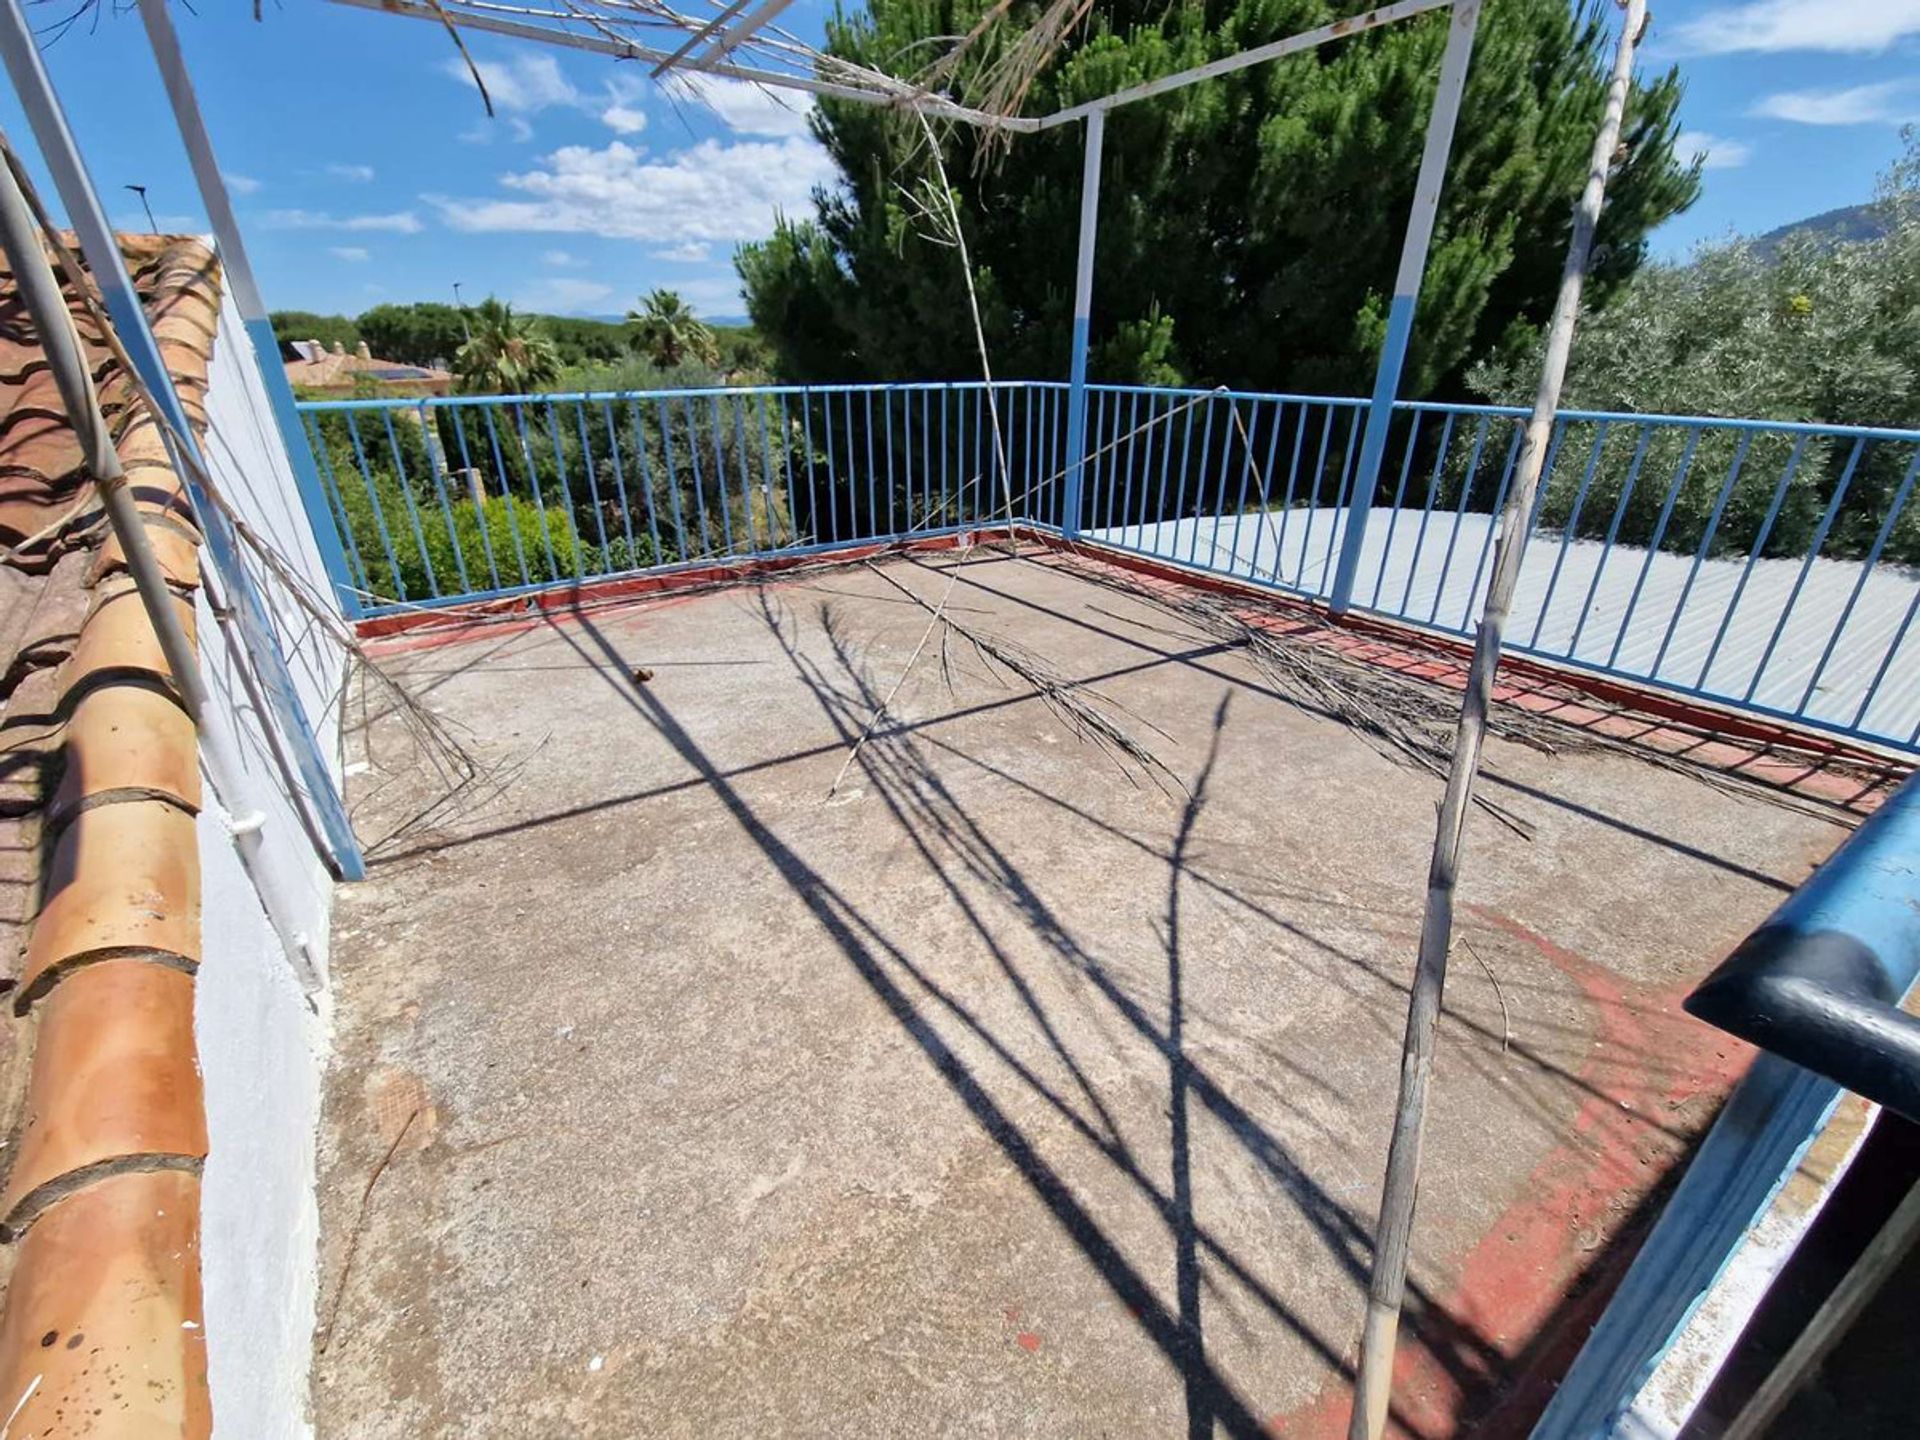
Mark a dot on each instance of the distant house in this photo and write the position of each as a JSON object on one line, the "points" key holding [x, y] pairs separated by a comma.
{"points": [[313, 369]]}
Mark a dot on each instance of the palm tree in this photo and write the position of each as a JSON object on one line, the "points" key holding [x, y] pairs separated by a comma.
{"points": [[506, 355], [667, 330]]}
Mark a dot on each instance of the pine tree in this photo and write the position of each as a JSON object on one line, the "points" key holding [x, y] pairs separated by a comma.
{"points": [[1249, 226]]}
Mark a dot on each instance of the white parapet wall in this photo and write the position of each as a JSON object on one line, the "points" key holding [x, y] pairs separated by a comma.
{"points": [[262, 1037]]}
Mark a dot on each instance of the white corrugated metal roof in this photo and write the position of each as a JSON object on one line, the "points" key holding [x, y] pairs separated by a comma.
{"points": [[1417, 580]]}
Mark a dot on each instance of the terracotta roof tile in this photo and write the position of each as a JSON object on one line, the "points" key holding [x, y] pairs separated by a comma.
{"points": [[117, 640], [127, 741], [103, 1315], [124, 878], [104, 1178], [118, 1036], [176, 551]]}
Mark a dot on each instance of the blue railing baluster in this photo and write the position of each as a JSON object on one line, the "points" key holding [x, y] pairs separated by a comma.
{"points": [[1700, 551], [593, 482], [1313, 500], [431, 439], [1680, 474], [506, 493], [620, 480], [1806, 565], [1399, 495], [1200, 483], [539, 500], [673, 484], [1426, 511], [379, 511], [1613, 530], [646, 483], [1493, 524], [1753, 555], [338, 504], [1570, 529], [566, 491], [479, 508], [406, 498], [1459, 514]]}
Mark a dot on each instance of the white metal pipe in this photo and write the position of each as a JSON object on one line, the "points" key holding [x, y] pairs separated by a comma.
{"points": [[695, 40], [733, 39], [936, 105], [1393, 1237], [1260, 54], [472, 14], [238, 270]]}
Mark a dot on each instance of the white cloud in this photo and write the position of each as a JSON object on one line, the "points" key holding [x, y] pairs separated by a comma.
{"points": [[561, 260], [691, 251], [1714, 152], [624, 119], [354, 174], [1854, 105], [240, 184], [1771, 26], [400, 222], [526, 83], [352, 254], [717, 295], [486, 130], [561, 294], [714, 191], [745, 108]]}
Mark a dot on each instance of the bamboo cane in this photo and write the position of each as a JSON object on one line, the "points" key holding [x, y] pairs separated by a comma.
{"points": [[1394, 1235]]}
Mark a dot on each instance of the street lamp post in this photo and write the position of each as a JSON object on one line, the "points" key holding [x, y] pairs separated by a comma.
{"points": [[141, 191]]}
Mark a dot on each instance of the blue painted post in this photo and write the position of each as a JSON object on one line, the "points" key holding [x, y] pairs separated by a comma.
{"points": [[1082, 312], [1406, 291], [246, 299]]}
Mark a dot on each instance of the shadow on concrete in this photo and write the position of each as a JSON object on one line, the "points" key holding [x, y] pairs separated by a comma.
{"points": [[899, 762]]}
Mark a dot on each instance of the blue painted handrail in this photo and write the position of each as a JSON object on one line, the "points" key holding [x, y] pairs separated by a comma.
{"points": [[1821, 982], [1769, 566]]}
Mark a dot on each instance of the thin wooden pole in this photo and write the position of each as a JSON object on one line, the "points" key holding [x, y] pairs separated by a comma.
{"points": [[1832, 1320], [1394, 1235]]}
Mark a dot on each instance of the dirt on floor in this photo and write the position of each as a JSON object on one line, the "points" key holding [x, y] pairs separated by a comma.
{"points": [[1004, 1091]]}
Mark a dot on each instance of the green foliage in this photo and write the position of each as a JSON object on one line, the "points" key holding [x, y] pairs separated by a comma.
{"points": [[1250, 226], [481, 498], [744, 355], [423, 333], [1823, 331], [329, 330], [584, 342], [666, 331], [508, 354]]}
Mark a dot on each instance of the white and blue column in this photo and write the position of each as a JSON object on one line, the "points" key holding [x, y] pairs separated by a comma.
{"points": [[1465, 21], [1082, 315]]}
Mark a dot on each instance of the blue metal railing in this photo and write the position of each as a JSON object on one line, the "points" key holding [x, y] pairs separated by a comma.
{"points": [[450, 499], [1770, 566]]}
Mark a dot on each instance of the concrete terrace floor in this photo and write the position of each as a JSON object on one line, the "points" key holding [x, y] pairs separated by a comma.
{"points": [[1000, 1094]]}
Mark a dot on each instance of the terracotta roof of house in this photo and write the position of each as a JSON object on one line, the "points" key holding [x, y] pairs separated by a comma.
{"points": [[318, 368], [100, 1333]]}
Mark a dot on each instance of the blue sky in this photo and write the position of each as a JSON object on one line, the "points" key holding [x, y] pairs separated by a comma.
{"points": [[364, 168]]}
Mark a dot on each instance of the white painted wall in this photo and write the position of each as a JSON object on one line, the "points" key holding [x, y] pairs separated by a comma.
{"points": [[262, 1041]]}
